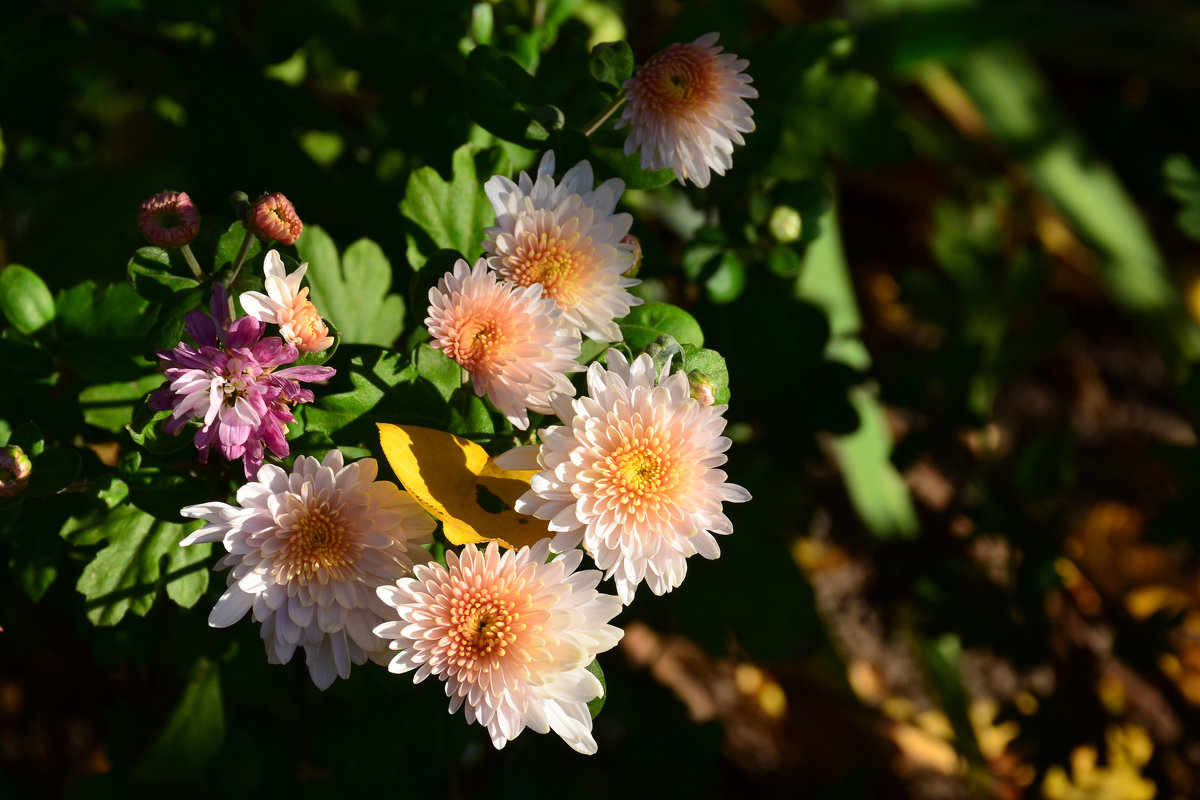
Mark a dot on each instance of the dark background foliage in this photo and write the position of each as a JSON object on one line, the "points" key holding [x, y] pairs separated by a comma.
{"points": [[962, 397]]}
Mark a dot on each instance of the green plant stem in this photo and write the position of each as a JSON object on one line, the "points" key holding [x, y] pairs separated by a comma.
{"points": [[190, 258], [603, 116], [241, 257]]}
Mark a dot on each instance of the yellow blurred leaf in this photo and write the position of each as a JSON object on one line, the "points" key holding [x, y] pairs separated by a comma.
{"points": [[449, 475]]}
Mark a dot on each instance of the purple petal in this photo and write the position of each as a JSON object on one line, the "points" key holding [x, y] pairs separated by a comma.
{"points": [[201, 328], [308, 373], [273, 351], [244, 332], [219, 305]]}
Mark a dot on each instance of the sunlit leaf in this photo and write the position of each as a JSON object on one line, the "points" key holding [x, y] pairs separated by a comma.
{"points": [[450, 476]]}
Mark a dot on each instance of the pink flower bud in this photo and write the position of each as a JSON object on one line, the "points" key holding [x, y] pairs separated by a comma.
{"points": [[169, 219], [632, 240], [273, 217], [14, 470], [701, 388]]}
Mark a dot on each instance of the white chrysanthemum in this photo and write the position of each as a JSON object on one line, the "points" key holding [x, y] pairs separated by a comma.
{"points": [[287, 305], [632, 473], [307, 551], [568, 239], [511, 635], [509, 339], [686, 109]]}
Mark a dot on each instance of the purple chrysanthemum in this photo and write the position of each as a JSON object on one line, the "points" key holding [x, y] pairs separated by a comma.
{"points": [[230, 381]]}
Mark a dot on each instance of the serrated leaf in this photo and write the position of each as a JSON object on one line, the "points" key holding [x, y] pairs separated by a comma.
{"points": [[1183, 183], [610, 65], [439, 369], [351, 292], [452, 214], [645, 323], [25, 299], [230, 243], [629, 169], [142, 555], [155, 275], [444, 473], [192, 735], [169, 326], [101, 330]]}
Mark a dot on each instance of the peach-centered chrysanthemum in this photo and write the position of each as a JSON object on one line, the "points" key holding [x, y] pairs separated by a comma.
{"points": [[632, 473], [686, 110], [287, 305], [510, 634], [509, 339], [307, 551], [567, 239]]}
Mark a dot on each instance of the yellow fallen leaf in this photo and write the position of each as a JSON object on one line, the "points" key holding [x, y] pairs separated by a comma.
{"points": [[446, 473]]}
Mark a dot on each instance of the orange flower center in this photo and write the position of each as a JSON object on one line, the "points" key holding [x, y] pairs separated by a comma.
{"points": [[681, 78], [554, 262], [476, 340], [641, 474], [318, 543], [482, 624]]}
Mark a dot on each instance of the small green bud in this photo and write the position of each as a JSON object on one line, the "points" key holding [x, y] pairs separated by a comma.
{"points": [[786, 224]]}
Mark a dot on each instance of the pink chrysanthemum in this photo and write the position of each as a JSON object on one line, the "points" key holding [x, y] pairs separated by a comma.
{"points": [[509, 339], [686, 109], [307, 551], [169, 219], [273, 217], [287, 305], [568, 239], [511, 635], [632, 473]]}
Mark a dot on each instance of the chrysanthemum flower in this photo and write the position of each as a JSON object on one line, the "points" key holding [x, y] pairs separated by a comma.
{"points": [[287, 305], [509, 339], [568, 239], [231, 381], [169, 219], [307, 551], [273, 217], [632, 473], [511, 635], [686, 110]]}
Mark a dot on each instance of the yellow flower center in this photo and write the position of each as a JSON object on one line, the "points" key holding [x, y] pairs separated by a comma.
{"points": [[641, 474], [318, 543], [476, 340], [554, 262], [680, 78], [481, 627]]}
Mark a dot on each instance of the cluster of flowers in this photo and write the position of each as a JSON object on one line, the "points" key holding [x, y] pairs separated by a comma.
{"points": [[329, 559]]}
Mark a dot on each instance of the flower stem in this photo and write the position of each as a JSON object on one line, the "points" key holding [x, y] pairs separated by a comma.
{"points": [[191, 260], [603, 116], [241, 257]]}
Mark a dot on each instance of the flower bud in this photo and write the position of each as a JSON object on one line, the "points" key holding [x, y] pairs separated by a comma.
{"points": [[169, 219], [630, 239], [785, 224], [702, 387], [14, 470], [274, 218]]}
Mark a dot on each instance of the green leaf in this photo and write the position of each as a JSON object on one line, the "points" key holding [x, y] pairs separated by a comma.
{"points": [[169, 326], [610, 65], [25, 299], [646, 323], [452, 214], [595, 704], [439, 369], [351, 292], [155, 275], [28, 437], [142, 555], [712, 364], [505, 100], [629, 169], [231, 242], [110, 405], [53, 471], [1183, 182], [145, 428], [371, 386], [25, 361], [101, 330], [194, 733]]}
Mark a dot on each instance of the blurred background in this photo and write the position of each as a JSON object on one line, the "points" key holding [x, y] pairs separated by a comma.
{"points": [[954, 275]]}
